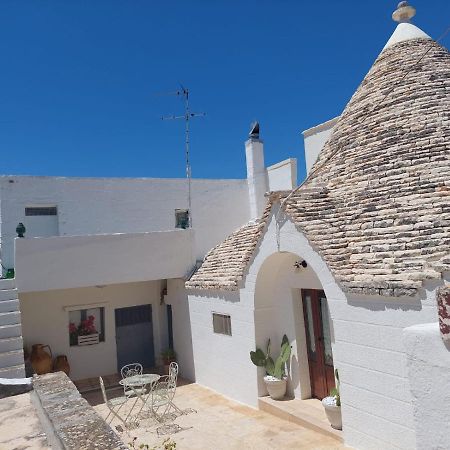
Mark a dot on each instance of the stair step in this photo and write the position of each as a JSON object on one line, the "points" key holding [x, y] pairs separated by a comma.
{"points": [[13, 372], [7, 283], [8, 294], [10, 318], [9, 306], [7, 331], [10, 344], [306, 413], [12, 358]]}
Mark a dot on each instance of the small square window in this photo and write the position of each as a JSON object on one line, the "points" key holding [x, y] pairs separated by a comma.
{"points": [[222, 324], [182, 218], [86, 326]]}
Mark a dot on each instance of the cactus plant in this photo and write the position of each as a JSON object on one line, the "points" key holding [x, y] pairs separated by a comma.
{"points": [[335, 391], [275, 369]]}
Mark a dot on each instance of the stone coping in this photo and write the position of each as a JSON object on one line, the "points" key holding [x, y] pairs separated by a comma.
{"points": [[74, 423]]}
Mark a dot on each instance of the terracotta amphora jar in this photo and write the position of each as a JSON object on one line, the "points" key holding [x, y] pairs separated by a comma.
{"points": [[41, 361], [61, 364]]}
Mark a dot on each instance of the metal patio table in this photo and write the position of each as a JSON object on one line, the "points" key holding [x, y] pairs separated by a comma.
{"points": [[139, 384]]}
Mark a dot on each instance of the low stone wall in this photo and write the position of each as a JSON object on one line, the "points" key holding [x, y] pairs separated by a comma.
{"points": [[71, 422]]}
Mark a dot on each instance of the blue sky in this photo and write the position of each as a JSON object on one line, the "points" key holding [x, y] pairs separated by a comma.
{"points": [[79, 79]]}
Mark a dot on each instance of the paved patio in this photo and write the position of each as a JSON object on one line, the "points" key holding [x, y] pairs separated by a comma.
{"points": [[219, 423]]}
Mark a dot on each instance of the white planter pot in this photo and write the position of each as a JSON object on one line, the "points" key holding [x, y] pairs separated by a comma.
{"points": [[276, 387], [333, 413]]}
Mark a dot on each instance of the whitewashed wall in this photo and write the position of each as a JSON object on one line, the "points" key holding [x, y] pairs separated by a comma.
{"points": [[67, 262], [366, 332], [45, 321], [315, 139], [119, 205], [223, 362], [429, 379], [283, 175], [181, 324]]}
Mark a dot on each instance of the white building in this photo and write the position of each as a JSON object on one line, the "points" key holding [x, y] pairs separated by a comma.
{"points": [[102, 245], [371, 222]]}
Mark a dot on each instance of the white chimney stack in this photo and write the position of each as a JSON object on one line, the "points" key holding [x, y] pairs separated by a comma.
{"points": [[256, 172]]}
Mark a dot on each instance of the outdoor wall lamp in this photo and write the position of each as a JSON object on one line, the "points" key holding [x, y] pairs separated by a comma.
{"points": [[20, 230], [299, 264]]}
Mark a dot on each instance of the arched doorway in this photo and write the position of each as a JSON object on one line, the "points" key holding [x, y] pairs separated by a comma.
{"points": [[289, 299]]}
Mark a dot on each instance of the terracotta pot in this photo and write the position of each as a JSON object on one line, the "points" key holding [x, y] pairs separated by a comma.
{"points": [[41, 361], [61, 364]]}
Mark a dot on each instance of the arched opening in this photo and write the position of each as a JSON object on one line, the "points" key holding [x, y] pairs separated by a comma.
{"points": [[289, 299]]}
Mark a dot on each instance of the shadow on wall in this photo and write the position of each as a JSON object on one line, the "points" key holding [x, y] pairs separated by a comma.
{"points": [[374, 303], [182, 334], [226, 296], [378, 303], [294, 373]]}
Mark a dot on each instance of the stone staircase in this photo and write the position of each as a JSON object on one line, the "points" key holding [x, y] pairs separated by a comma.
{"points": [[11, 345]]}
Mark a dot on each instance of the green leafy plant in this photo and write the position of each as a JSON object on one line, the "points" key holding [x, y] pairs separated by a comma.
{"points": [[275, 369], [168, 355], [335, 391]]}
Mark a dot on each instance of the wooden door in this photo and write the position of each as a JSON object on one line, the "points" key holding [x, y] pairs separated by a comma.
{"points": [[318, 336]]}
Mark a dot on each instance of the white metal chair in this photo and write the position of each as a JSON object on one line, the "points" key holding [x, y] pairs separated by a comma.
{"points": [[128, 371], [173, 371], [162, 396], [171, 380], [113, 404]]}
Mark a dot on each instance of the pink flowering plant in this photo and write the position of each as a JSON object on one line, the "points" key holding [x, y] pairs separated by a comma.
{"points": [[84, 328]]}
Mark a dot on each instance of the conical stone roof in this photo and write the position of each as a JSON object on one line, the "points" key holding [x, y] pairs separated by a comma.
{"points": [[376, 205]]}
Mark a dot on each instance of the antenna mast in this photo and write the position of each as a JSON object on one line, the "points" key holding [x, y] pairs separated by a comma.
{"points": [[188, 115]]}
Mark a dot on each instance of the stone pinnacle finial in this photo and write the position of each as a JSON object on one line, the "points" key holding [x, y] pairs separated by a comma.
{"points": [[403, 13]]}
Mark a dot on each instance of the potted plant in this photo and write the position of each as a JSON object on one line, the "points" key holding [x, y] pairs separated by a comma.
{"points": [[275, 378], [85, 333], [167, 356], [332, 405]]}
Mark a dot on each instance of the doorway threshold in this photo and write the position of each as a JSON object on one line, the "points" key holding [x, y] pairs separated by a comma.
{"points": [[307, 413]]}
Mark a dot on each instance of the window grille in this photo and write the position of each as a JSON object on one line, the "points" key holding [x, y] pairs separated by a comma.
{"points": [[182, 218], [41, 211], [222, 324]]}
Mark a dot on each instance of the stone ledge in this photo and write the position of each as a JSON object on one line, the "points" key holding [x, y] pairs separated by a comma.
{"points": [[74, 423], [306, 413]]}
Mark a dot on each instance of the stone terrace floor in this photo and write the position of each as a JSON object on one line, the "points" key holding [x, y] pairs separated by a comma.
{"points": [[219, 423], [20, 428]]}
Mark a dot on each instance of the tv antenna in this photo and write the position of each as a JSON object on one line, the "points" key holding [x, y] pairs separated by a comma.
{"points": [[187, 116]]}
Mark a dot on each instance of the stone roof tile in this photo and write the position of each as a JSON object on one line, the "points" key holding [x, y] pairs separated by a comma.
{"points": [[224, 265], [380, 188]]}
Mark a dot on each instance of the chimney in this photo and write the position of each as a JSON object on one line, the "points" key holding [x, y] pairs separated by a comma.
{"points": [[256, 172]]}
